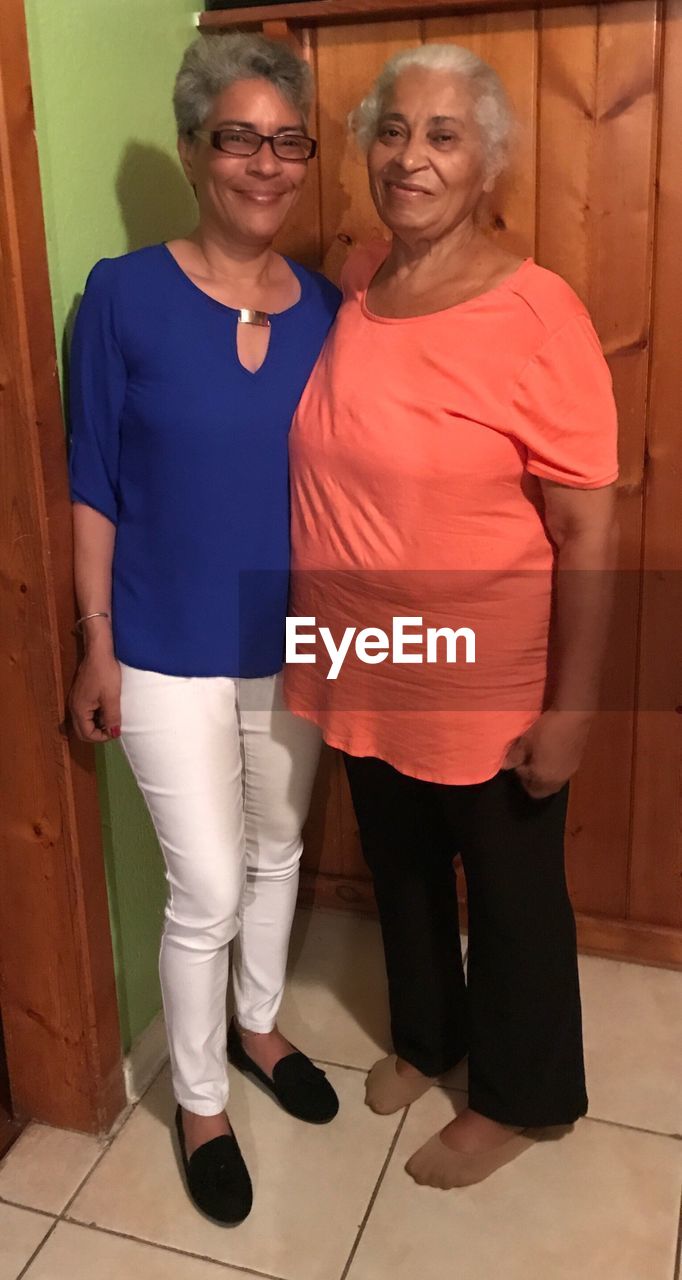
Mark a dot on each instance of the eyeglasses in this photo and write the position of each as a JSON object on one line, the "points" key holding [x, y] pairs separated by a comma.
{"points": [[246, 142]]}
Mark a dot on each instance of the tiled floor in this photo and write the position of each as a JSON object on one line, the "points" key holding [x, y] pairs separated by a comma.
{"points": [[335, 1203]]}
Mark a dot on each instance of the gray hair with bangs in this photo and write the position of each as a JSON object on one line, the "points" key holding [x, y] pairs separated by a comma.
{"points": [[213, 63]]}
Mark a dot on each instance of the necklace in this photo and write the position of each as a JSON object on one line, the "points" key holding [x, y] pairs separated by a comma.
{"points": [[261, 318]]}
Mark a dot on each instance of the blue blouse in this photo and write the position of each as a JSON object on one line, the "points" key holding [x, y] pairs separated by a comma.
{"points": [[185, 451]]}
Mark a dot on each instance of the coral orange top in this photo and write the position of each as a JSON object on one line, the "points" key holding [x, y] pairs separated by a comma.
{"points": [[415, 453]]}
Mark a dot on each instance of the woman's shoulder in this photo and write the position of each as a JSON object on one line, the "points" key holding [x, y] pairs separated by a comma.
{"points": [[361, 265], [108, 274], [546, 297], [321, 290]]}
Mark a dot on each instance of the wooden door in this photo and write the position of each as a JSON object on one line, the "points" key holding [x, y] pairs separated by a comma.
{"points": [[57, 990], [10, 1127]]}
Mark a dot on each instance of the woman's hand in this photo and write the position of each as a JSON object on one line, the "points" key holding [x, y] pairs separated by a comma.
{"points": [[581, 525], [95, 699], [549, 753]]}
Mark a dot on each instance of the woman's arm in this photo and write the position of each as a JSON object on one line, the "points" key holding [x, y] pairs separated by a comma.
{"points": [[98, 387], [581, 524], [95, 696]]}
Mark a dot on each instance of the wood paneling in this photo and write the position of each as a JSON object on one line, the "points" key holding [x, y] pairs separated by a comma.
{"points": [[301, 238], [303, 13], [509, 43], [331, 841], [322, 835], [622, 194], [348, 59], [57, 989], [10, 1127], [617, 939], [596, 166], [656, 867]]}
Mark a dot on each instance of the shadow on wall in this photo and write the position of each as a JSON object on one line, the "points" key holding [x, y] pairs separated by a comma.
{"points": [[66, 349], [156, 203], [155, 199]]}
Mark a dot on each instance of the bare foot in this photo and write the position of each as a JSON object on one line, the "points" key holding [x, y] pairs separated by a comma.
{"points": [[265, 1048], [467, 1151], [472, 1133], [393, 1084], [407, 1071], [201, 1129]]}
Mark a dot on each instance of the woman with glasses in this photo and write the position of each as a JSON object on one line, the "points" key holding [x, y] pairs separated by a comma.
{"points": [[188, 361]]}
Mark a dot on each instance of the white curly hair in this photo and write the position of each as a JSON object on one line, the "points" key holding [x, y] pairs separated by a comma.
{"points": [[492, 109]]}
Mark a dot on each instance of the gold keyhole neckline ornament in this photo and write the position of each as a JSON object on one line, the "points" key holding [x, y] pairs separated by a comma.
{"points": [[259, 318]]}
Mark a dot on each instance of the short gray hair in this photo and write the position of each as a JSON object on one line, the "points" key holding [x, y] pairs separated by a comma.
{"points": [[212, 63], [492, 109]]}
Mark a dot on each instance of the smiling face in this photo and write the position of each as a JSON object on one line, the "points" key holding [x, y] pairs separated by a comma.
{"points": [[246, 197], [427, 165]]}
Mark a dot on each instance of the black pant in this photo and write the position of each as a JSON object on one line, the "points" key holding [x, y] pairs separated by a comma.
{"points": [[518, 1014]]}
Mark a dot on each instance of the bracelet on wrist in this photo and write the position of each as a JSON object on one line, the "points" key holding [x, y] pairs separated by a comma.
{"points": [[86, 617]]}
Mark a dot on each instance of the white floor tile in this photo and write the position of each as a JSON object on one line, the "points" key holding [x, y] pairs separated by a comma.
{"points": [[21, 1231], [601, 1204], [335, 1005], [45, 1166], [633, 1043], [79, 1253], [311, 1185]]}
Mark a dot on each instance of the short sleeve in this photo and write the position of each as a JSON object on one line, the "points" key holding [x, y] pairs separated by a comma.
{"points": [[564, 410], [97, 392]]}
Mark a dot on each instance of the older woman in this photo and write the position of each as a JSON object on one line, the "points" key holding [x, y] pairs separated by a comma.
{"points": [[188, 361], [454, 450]]}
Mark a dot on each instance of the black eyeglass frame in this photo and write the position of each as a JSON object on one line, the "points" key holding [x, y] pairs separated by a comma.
{"points": [[213, 136]]}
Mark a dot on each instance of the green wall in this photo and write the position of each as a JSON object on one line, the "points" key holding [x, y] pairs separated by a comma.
{"points": [[102, 73]]}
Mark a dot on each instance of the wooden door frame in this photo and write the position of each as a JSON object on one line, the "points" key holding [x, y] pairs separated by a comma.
{"points": [[10, 1127], [57, 986]]}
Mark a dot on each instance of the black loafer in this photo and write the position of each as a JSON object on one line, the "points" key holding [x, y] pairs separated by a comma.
{"points": [[217, 1178], [297, 1084]]}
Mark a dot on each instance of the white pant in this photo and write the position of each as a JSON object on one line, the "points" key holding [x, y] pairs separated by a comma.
{"points": [[227, 773]]}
